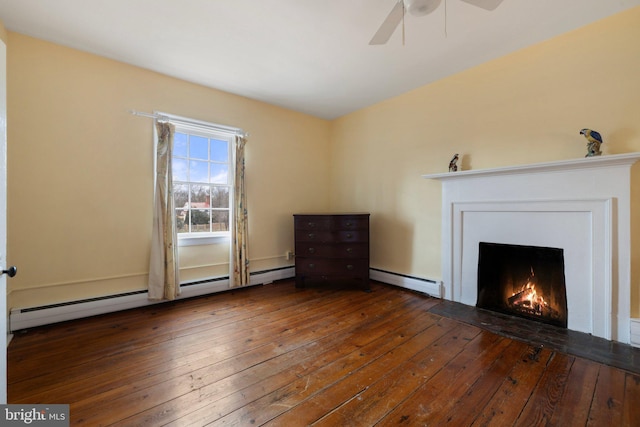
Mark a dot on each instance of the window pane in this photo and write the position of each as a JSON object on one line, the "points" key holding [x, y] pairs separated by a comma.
{"points": [[199, 147], [180, 195], [219, 174], [219, 150], [200, 220], [179, 169], [219, 197], [198, 171], [182, 226], [202, 173], [180, 144], [220, 221], [200, 196]]}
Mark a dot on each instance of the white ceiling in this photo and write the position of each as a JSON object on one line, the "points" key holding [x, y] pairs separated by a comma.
{"points": [[311, 56]]}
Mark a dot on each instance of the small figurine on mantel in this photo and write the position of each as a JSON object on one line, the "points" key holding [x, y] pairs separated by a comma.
{"points": [[594, 140], [453, 164]]}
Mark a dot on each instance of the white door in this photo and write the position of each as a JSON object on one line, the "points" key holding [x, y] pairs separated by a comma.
{"points": [[3, 222]]}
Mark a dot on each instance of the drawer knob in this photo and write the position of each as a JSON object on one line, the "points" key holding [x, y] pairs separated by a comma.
{"points": [[312, 266], [349, 267], [311, 235], [312, 250], [312, 224], [349, 235], [349, 224], [349, 250]]}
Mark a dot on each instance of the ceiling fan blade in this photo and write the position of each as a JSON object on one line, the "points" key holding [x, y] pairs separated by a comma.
{"points": [[389, 25], [484, 4]]}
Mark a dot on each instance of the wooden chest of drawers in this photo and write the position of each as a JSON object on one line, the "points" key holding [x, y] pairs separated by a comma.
{"points": [[332, 246]]}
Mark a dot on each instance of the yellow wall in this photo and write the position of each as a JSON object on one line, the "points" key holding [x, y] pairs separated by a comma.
{"points": [[80, 172], [526, 107]]}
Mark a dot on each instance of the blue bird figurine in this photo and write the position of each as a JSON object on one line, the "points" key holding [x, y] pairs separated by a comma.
{"points": [[594, 140]]}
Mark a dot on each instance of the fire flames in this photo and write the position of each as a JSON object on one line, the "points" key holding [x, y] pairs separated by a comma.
{"points": [[527, 299]]}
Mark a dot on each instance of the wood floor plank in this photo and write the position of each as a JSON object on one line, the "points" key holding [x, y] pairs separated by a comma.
{"points": [[608, 399], [517, 386], [541, 405], [464, 411], [277, 355], [439, 393], [575, 404], [631, 407]]}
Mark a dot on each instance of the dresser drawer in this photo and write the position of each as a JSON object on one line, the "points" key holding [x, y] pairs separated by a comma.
{"points": [[351, 223], [332, 267], [332, 236], [337, 250], [327, 222], [313, 223]]}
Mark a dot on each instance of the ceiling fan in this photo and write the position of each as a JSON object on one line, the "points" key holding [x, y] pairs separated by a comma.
{"points": [[417, 8]]}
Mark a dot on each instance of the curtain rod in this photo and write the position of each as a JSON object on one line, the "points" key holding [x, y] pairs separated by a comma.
{"points": [[165, 117]]}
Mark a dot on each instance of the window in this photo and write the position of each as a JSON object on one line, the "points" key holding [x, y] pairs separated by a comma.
{"points": [[202, 181]]}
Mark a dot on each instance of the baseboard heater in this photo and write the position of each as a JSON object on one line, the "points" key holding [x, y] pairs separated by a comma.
{"points": [[427, 286], [23, 318]]}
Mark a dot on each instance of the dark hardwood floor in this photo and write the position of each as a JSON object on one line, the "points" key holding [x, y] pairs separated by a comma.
{"points": [[280, 356]]}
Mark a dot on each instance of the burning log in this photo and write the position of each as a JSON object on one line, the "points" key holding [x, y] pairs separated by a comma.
{"points": [[521, 298], [529, 302]]}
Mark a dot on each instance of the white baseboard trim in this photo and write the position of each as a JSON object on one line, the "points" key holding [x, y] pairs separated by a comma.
{"points": [[427, 286], [23, 318], [635, 332]]}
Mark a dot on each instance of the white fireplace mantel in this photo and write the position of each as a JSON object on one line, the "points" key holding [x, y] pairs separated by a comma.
{"points": [[560, 165], [582, 206]]}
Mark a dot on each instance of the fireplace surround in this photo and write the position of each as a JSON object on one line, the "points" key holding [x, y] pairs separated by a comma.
{"points": [[582, 206]]}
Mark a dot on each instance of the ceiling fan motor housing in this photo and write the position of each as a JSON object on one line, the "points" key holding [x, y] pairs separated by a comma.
{"points": [[421, 7]]}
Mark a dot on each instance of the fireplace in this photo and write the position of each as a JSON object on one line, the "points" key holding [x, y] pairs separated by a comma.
{"points": [[524, 281], [581, 206]]}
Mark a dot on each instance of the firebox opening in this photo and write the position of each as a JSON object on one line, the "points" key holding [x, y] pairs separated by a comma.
{"points": [[525, 281]]}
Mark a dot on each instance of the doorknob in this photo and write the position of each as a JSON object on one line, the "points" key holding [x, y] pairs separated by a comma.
{"points": [[11, 271]]}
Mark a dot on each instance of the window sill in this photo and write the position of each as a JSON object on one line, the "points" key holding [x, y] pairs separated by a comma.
{"points": [[197, 239]]}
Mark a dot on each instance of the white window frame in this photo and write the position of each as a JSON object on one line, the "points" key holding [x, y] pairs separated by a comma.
{"points": [[210, 130]]}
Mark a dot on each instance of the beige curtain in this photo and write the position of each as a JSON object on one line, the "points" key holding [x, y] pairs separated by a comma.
{"points": [[164, 281], [240, 225]]}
